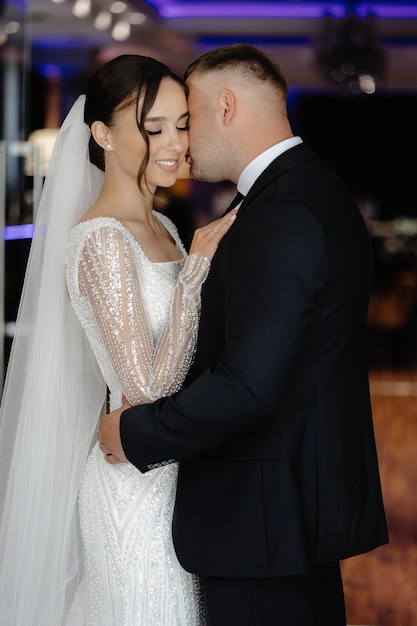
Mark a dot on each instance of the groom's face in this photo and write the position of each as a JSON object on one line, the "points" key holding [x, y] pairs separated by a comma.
{"points": [[204, 132]]}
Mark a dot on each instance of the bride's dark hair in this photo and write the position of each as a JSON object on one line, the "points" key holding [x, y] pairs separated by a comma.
{"points": [[115, 86]]}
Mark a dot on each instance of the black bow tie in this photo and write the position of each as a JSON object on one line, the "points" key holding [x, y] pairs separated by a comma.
{"points": [[238, 198]]}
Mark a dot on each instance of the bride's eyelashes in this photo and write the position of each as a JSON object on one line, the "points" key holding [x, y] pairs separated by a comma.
{"points": [[151, 133]]}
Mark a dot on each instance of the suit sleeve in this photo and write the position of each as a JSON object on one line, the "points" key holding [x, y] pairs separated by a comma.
{"points": [[274, 264]]}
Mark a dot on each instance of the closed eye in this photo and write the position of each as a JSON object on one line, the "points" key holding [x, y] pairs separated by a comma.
{"points": [[152, 133]]}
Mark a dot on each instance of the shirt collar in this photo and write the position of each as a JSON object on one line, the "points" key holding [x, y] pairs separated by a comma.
{"points": [[255, 168]]}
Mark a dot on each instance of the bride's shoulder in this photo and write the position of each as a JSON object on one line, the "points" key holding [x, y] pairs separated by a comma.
{"points": [[92, 232], [91, 225], [98, 216]]}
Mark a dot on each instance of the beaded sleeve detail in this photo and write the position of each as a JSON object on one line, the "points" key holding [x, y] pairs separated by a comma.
{"points": [[140, 317]]}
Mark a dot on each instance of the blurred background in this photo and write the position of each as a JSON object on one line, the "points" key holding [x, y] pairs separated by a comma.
{"points": [[352, 74]]}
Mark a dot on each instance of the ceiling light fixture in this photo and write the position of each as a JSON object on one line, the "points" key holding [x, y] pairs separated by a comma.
{"points": [[82, 8], [103, 20], [350, 55], [121, 30], [118, 7], [136, 18], [12, 27]]}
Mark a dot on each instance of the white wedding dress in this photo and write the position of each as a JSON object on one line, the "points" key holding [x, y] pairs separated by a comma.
{"points": [[141, 319]]}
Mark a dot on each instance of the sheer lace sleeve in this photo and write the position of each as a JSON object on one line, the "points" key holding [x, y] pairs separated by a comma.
{"points": [[111, 282]]}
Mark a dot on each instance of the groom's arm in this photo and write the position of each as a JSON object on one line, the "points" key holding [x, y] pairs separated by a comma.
{"points": [[266, 299]]}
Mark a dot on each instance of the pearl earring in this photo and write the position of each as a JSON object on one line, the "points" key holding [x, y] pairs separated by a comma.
{"points": [[108, 146]]}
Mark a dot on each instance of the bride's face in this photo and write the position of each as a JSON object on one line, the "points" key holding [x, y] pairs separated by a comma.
{"points": [[167, 128]]}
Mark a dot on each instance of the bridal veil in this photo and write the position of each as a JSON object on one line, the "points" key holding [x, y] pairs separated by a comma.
{"points": [[53, 397]]}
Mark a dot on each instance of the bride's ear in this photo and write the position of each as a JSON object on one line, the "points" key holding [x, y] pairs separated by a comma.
{"points": [[101, 135]]}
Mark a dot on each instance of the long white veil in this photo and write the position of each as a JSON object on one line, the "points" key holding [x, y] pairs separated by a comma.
{"points": [[53, 397]]}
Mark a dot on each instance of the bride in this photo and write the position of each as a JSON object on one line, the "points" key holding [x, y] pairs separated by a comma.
{"points": [[110, 308]]}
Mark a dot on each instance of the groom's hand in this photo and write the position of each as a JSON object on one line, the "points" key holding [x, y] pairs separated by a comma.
{"points": [[109, 435]]}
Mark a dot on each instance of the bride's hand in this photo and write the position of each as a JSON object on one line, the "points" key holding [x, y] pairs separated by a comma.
{"points": [[207, 238]]}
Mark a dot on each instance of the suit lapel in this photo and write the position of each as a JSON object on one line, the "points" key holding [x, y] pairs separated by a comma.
{"points": [[284, 162]]}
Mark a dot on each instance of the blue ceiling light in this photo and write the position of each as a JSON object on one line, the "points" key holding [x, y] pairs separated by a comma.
{"points": [[290, 9], [265, 8], [387, 10]]}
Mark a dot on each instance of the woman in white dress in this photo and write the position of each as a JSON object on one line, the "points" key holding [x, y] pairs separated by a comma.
{"points": [[110, 308]]}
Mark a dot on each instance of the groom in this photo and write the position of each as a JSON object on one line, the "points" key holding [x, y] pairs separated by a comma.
{"points": [[278, 474]]}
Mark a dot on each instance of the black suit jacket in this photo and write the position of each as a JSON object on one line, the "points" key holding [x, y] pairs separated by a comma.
{"points": [[278, 467]]}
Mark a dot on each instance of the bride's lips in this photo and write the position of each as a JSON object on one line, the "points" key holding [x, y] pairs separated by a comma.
{"points": [[168, 165]]}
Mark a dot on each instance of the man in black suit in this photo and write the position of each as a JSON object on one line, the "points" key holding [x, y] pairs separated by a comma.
{"points": [[278, 473]]}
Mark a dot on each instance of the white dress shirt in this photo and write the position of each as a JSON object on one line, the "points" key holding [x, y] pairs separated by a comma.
{"points": [[255, 168]]}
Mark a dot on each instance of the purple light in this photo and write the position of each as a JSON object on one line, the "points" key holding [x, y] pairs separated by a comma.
{"points": [[250, 9], [20, 231], [409, 10], [265, 9]]}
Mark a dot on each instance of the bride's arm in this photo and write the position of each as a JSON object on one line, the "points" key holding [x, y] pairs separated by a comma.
{"points": [[110, 278]]}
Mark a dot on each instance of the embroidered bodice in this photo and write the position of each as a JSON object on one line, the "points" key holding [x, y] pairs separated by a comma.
{"points": [[140, 317]]}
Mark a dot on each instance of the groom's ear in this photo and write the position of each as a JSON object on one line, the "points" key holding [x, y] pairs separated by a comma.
{"points": [[228, 105], [100, 133]]}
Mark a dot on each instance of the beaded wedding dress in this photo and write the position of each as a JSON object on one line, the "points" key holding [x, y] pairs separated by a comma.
{"points": [[141, 320]]}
